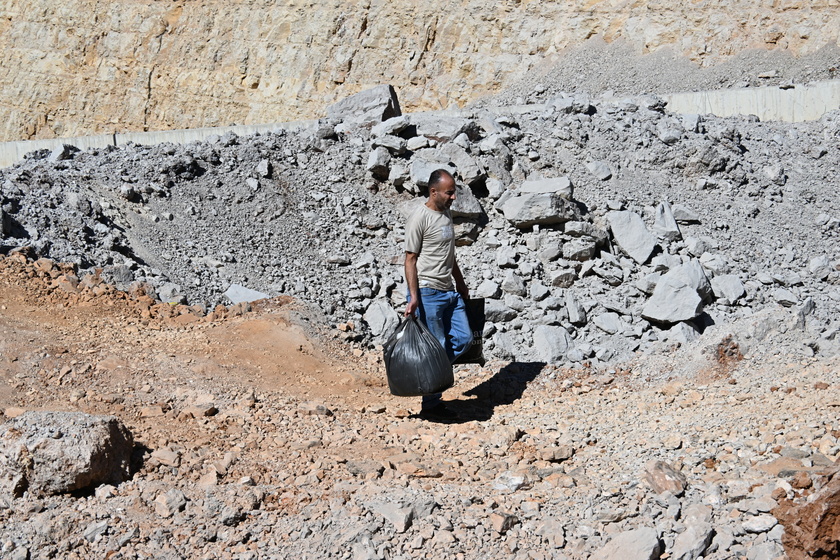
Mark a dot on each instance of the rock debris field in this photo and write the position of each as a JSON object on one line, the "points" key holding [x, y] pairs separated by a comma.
{"points": [[192, 340]]}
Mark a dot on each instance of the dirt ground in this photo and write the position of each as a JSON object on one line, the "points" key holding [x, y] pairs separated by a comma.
{"points": [[100, 344], [276, 369]]}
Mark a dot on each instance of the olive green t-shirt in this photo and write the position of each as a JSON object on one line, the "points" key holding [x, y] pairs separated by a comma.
{"points": [[431, 235]]}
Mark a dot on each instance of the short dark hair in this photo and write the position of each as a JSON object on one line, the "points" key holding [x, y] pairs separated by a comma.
{"points": [[437, 177]]}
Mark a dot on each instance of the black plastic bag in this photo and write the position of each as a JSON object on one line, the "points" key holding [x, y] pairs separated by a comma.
{"points": [[475, 315], [415, 362]]}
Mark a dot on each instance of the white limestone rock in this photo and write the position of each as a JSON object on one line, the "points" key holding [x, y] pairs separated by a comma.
{"points": [[632, 235]]}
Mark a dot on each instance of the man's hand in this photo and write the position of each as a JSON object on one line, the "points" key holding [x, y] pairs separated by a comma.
{"points": [[411, 307], [464, 292]]}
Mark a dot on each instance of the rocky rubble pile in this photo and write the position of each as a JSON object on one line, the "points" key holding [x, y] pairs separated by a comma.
{"points": [[537, 464], [595, 227]]}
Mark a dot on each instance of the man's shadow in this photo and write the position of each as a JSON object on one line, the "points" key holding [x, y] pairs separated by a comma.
{"points": [[503, 388]]}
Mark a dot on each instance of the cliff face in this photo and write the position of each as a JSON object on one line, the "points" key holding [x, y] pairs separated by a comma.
{"points": [[92, 66]]}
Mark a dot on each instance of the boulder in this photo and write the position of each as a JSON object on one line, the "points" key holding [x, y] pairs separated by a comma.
{"points": [[238, 294], [468, 169], [678, 295], [381, 318], [632, 235], [443, 128], [466, 205], [610, 323], [576, 311], [729, 287], [585, 229], [170, 292], [563, 278], [513, 284], [662, 477], [551, 343], [579, 250], [636, 544], [378, 161], [530, 209], [693, 542], [664, 224], [392, 126], [372, 105], [421, 169], [684, 215], [488, 289], [496, 311], [394, 144], [600, 169], [45, 453], [561, 186]]}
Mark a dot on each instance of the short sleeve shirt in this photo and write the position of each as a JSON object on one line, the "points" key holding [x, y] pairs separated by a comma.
{"points": [[431, 235]]}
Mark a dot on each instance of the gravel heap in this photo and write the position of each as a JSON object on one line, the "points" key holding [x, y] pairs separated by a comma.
{"points": [[318, 215], [596, 68]]}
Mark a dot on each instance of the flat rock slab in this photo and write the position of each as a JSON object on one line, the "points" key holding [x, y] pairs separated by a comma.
{"points": [[47, 453], [239, 294], [637, 544], [632, 235], [560, 185], [372, 105], [530, 209]]}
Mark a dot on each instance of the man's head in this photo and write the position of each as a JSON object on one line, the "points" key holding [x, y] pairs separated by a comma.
{"points": [[441, 190]]}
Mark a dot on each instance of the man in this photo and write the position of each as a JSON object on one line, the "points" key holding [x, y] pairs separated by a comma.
{"points": [[430, 269]]}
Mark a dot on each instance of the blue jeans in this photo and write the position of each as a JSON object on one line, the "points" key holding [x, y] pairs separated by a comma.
{"points": [[444, 313]]}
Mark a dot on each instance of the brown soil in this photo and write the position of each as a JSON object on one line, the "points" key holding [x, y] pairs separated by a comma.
{"points": [[100, 340]]}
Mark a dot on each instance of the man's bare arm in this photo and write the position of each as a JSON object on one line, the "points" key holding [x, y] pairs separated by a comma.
{"points": [[413, 283], [460, 285]]}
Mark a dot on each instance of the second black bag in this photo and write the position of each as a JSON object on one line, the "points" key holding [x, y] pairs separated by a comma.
{"points": [[415, 362], [475, 315]]}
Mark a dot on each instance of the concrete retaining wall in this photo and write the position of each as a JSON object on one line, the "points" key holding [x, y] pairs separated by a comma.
{"points": [[795, 104]]}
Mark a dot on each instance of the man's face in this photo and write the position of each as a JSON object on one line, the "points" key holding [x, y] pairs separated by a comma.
{"points": [[444, 194]]}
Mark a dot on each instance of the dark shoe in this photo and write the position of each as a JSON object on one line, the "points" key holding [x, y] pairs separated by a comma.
{"points": [[438, 413]]}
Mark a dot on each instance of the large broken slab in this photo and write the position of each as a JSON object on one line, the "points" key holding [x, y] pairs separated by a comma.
{"points": [[530, 209], [632, 235], [372, 105]]}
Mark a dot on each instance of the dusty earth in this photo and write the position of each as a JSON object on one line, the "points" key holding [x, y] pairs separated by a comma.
{"points": [[538, 462], [109, 346]]}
